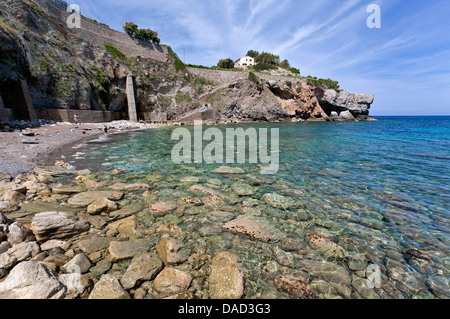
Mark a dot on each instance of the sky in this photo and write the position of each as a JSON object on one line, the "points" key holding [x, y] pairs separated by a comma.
{"points": [[405, 63]]}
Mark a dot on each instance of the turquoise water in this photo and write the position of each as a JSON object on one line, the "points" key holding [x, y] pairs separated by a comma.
{"points": [[380, 190]]}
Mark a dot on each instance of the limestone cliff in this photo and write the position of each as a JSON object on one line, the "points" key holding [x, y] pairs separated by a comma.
{"points": [[82, 70]]}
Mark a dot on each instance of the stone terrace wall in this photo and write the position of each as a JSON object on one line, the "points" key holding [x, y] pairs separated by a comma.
{"points": [[99, 35], [225, 77]]}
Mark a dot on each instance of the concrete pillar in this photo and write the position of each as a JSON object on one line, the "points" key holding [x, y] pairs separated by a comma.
{"points": [[3, 114], [132, 112], [29, 103]]}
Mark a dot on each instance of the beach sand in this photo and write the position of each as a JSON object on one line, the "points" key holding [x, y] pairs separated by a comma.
{"points": [[20, 154]]}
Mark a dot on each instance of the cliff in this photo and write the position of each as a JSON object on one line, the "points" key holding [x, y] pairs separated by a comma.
{"points": [[86, 70]]}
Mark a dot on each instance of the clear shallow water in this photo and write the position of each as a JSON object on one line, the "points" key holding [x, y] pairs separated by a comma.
{"points": [[377, 189]]}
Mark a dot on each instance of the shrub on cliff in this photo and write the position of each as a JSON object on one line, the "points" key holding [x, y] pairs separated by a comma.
{"points": [[148, 35], [226, 64]]}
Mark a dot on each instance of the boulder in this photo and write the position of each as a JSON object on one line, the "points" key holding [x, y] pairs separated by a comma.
{"points": [[127, 227], [32, 280], [172, 281], [76, 284], [118, 251], [82, 200], [101, 205], [17, 233], [226, 279], [144, 267], [54, 225], [18, 253], [346, 116], [108, 287], [79, 264]]}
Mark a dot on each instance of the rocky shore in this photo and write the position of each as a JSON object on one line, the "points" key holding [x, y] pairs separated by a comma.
{"points": [[67, 233]]}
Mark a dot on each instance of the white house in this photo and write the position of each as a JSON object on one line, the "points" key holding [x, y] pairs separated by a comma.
{"points": [[244, 62]]}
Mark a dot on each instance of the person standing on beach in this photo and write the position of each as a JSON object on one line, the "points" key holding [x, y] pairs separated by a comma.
{"points": [[105, 130], [76, 117]]}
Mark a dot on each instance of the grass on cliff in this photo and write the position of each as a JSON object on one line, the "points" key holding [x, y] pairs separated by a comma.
{"points": [[115, 52]]}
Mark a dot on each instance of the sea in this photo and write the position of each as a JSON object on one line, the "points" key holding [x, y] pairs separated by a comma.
{"points": [[379, 191]]}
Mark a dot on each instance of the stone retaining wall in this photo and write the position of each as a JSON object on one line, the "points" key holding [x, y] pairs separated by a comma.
{"points": [[225, 77], [100, 35]]}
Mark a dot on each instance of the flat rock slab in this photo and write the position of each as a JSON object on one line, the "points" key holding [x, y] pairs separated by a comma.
{"points": [[118, 251], [54, 225], [93, 245], [68, 190], [126, 211], [87, 198], [53, 171], [255, 227], [41, 207]]}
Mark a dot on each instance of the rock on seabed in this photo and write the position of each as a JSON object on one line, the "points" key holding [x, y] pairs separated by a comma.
{"points": [[226, 279]]}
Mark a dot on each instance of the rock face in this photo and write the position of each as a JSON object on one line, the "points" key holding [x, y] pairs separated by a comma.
{"points": [[357, 104], [53, 225], [31, 280], [226, 279]]}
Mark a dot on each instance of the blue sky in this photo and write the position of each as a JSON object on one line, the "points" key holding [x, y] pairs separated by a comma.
{"points": [[405, 63]]}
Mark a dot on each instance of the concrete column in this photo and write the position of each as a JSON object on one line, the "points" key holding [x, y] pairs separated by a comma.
{"points": [[29, 103], [132, 112], [3, 114]]}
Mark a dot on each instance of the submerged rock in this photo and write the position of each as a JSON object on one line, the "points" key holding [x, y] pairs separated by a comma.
{"points": [[228, 170], [327, 247], [172, 281], [226, 279], [295, 286], [171, 251], [255, 227], [143, 268], [278, 201], [101, 205]]}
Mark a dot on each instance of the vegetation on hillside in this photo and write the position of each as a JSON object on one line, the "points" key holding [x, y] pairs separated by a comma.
{"points": [[147, 35], [226, 64], [323, 83], [269, 61]]}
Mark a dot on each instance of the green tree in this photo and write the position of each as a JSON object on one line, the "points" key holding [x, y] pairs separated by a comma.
{"points": [[253, 53], [226, 64], [147, 35], [131, 29]]}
